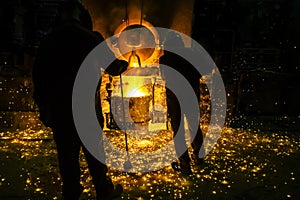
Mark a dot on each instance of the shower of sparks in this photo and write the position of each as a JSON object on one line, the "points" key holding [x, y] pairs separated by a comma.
{"points": [[244, 164]]}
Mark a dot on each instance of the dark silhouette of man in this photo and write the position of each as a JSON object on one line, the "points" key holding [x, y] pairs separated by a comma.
{"points": [[59, 58], [192, 75]]}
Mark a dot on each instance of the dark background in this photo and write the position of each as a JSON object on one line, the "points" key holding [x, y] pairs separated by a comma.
{"points": [[255, 44]]}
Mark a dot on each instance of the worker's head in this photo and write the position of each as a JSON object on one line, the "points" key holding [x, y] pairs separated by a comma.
{"points": [[73, 10]]}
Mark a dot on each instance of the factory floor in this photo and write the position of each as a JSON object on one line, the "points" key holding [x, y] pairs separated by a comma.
{"points": [[255, 158]]}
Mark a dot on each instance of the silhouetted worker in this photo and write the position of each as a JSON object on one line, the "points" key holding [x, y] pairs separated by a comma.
{"points": [[59, 57], [193, 77]]}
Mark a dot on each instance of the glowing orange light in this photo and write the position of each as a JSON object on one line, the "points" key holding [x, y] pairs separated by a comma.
{"points": [[135, 93], [135, 64], [134, 60], [149, 39]]}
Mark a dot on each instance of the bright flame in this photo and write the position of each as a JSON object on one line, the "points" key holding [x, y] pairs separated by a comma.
{"points": [[135, 93], [135, 64], [135, 86]]}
